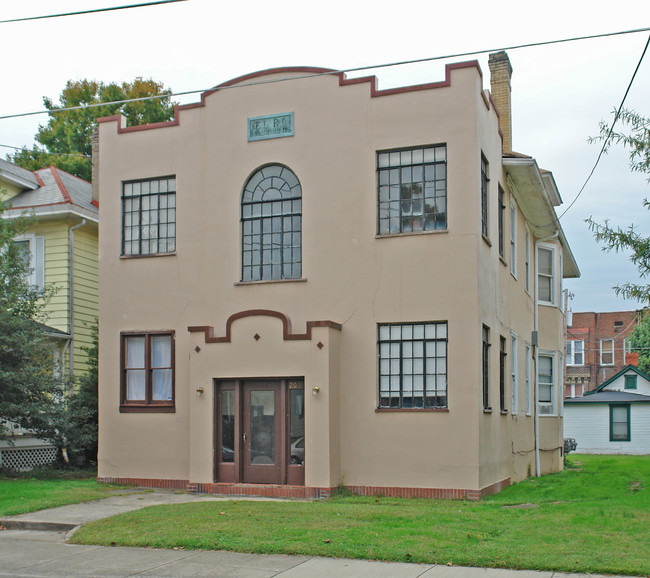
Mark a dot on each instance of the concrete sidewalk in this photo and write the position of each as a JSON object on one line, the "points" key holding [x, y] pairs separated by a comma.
{"points": [[33, 545]]}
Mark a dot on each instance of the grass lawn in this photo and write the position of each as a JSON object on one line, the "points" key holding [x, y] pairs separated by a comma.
{"points": [[22, 494], [592, 518]]}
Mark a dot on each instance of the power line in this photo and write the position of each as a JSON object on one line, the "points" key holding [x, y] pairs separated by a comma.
{"points": [[143, 4], [332, 72]]}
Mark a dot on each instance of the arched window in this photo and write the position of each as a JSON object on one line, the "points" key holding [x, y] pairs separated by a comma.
{"points": [[271, 212]]}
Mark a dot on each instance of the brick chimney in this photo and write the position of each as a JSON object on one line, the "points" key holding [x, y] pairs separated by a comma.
{"points": [[500, 75], [632, 359]]}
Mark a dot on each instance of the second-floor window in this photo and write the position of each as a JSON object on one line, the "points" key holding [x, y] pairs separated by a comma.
{"points": [[271, 214], [149, 216], [546, 291], [575, 352], [485, 179], [32, 253], [502, 211], [412, 190], [606, 352]]}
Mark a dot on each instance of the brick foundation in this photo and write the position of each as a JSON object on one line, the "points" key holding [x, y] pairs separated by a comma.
{"points": [[309, 492]]}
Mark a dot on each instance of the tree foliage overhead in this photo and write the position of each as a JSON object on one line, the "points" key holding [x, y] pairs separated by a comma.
{"points": [[64, 141], [635, 136]]}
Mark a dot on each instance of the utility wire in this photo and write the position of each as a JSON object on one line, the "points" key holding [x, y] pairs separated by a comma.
{"points": [[333, 72], [611, 130], [143, 4], [46, 152]]}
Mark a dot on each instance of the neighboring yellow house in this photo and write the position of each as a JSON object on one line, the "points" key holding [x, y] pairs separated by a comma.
{"points": [[309, 282], [63, 246]]}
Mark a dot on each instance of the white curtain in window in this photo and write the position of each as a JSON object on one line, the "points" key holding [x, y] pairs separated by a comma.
{"points": [[161, 360], [135, 372]]}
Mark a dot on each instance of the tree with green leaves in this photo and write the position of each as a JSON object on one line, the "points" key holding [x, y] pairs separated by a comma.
{"points": [[27, 381], [635, 136], [639, 340], [64, 142]]}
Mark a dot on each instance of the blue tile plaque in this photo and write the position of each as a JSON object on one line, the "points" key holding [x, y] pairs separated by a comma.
{"points": [[270, 126]]}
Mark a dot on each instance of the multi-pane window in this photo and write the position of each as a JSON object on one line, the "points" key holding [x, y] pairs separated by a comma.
{"points": [[147, 371], [271, 213], [485, 179], [502, 373], [149, 216], [619, 423], [606, 352], [413, 365], [485, 366], [545, 384], [513, 239], [502, 211], [575, 352], [412, 190], [514, 373], [546, 275]]}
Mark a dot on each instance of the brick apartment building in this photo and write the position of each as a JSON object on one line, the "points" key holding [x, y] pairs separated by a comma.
{"points": [[596, 346]]}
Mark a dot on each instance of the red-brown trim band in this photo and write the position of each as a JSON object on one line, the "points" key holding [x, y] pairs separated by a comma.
{"points": [[287, 333]]}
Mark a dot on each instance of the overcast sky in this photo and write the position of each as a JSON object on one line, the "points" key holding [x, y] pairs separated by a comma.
{"points": [[560, 93]]}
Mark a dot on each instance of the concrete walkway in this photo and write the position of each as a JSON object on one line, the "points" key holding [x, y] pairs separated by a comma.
{"points": [[33, 545]]}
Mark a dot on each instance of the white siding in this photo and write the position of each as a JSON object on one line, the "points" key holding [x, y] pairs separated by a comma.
{"points": [[642, 384], [589, 425]]}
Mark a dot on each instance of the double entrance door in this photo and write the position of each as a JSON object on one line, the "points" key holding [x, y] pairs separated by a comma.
{"points": [[259, 431]]}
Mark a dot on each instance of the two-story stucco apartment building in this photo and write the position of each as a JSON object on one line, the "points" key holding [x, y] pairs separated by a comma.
{"points": [[308, 282]]}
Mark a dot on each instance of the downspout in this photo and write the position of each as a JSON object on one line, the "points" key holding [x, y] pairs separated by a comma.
{"points": [[71, 303], [536, 355]]}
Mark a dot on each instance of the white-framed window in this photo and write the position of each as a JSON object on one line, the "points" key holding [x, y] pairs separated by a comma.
{"points": [[514, 373], [606, 352], [33, 248], [412, 365], [529, 388], [527, 259], [513, 238], [547, 383], [546, 275], [575, 352]]}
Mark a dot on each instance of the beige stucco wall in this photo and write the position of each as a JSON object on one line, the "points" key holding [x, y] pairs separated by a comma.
{"points": [[351, 277]]}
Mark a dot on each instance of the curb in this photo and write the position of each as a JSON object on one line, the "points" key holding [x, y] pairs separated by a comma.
{"points": [[10, 524]]}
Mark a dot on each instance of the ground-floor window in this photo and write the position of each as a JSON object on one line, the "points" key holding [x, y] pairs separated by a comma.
{"points": [[412, 365], [546, 384], [619, 423]]}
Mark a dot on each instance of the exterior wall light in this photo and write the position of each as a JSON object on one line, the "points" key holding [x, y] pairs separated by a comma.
{"points": [[199, 391], [315, 390]]}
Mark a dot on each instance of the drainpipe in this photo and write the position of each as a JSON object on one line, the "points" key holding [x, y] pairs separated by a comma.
{"points": [[71, 303], [536, 355]]}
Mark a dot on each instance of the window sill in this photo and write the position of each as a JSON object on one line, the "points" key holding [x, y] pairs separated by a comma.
{"points": [[486, 239], [412, 234], [504, 412], [546, 303], [133, 408], [412, 409], [487, 410], [503, 260], [126, 257], [267, 281]]}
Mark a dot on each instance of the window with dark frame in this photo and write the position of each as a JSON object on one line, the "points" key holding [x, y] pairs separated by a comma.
{"points": [[149, 216], [575, 352], [412, 190], [271, 215], [412, 365], [502, 212], [502, 374], [619, 423], [484, 195], [486, 368], [147, 371]]}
